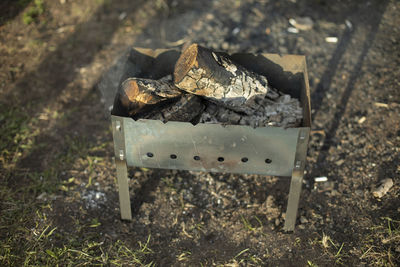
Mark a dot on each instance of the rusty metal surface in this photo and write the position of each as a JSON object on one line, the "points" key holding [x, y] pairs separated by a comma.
{"points": [[209, 147]]}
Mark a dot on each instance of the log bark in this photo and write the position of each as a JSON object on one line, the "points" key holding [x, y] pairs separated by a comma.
{"points": [[138, 96], [213, 75]]}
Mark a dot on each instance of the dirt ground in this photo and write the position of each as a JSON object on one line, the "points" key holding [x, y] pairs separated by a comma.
{"points": [[58, 195]]}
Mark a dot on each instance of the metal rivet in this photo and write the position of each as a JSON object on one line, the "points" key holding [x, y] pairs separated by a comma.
{"points": [[118, 125], [121, 155], [298, 164], [302, 135]]}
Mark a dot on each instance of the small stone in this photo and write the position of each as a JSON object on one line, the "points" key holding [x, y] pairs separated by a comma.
{"points": [[339, 162], [42, 196], [235, 31], [303, 220], [359, 192], [326, 186], [210, 16], [304, 23], [334, 193], [277, 222], [122, 16], [385, 186], [349, 25], [361, 120], [225, 45]]}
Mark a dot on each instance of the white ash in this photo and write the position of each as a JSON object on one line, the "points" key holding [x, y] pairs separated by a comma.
{"points": [[167, 78], [282, 112], [93, 199]]}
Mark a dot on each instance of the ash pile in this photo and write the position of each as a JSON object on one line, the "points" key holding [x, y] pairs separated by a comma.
{"points": [[208, 87]]}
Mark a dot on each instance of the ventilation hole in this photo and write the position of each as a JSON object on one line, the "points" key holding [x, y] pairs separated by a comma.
{"points": [[245, 159], [149, 154], [221, 159], [196, 158], [268, 161], [173, 156]]}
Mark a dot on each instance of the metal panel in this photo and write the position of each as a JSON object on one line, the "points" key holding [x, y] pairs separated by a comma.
{"points": [[233, 148]]}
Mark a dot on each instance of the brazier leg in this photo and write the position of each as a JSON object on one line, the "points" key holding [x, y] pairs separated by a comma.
{"points": [[297, 180], [293, 201], [123, 189]]}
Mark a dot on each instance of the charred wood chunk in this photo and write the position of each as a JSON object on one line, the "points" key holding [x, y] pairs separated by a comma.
{"points": [[186, 109], [219, 114], [138, 96], [215, 76], [284, 112]]}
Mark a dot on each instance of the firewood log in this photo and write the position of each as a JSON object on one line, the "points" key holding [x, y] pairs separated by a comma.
{"points": [[137, 96], [213, 75]]}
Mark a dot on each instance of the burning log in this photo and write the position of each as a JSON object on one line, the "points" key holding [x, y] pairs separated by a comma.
{"points": [[213, 75]]}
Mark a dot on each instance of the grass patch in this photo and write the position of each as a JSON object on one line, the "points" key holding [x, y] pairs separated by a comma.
{"points": [[252, 225], [246, 258], [15, 135], [380, 246], [30, 237], [28, 234], [33, 12], [184, 256]]}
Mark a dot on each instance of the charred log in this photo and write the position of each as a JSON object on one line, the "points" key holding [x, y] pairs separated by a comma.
{"points": [[186, 109], [213, 75], [139, 96]]}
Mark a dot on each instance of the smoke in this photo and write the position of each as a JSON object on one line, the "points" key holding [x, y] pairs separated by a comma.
{"points": [[110, 80]]}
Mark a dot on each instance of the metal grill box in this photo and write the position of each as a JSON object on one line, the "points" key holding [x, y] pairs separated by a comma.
{"points": [[212, 147]]}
